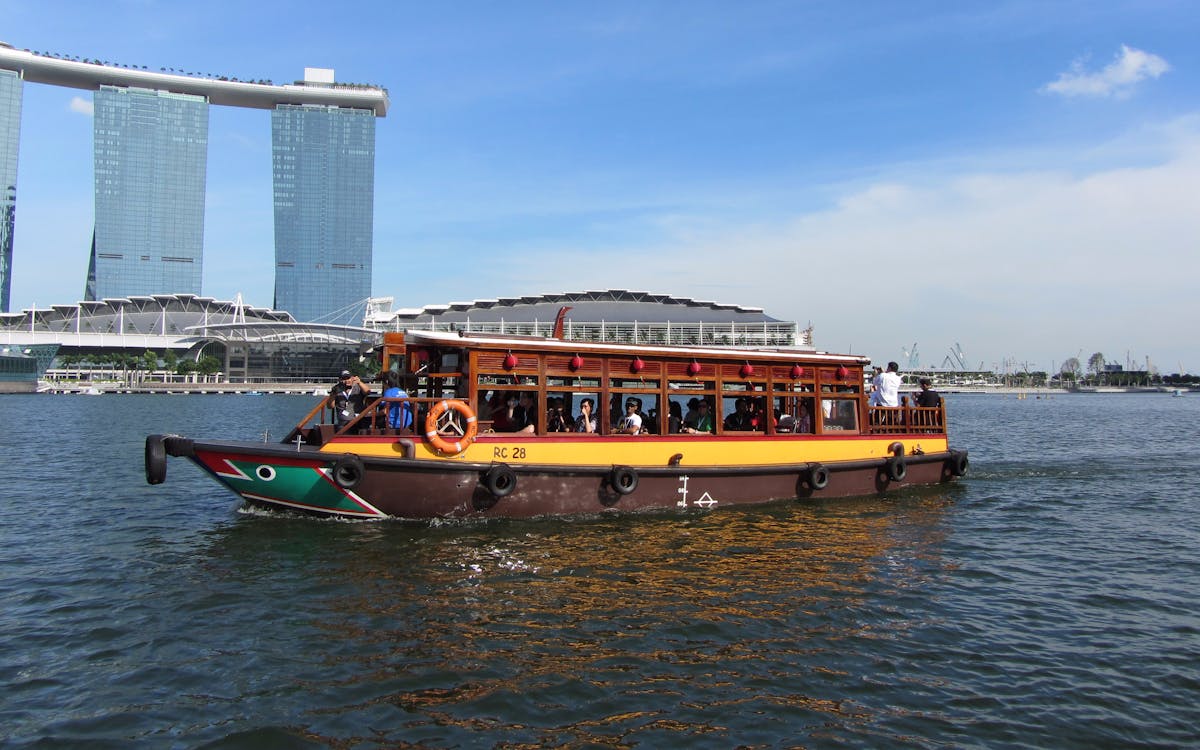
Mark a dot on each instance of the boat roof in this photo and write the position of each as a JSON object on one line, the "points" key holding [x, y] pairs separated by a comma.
{"points": [[492, 341]]}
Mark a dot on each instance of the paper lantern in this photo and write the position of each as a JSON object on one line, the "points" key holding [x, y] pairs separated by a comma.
{"points": [[693, 368], [797, 371], [576, 362], [510, 361], [747, 370], [842, 372], [637, 365]]}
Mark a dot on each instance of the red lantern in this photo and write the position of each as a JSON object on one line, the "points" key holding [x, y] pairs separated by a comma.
{"points": [[510, 361], [747, 370], [693, 368], [797, 371], [637, 365], [576, 362], [842, 372]]}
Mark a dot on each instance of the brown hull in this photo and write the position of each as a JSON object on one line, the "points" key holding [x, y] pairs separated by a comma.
{"points": [[407, 488]]}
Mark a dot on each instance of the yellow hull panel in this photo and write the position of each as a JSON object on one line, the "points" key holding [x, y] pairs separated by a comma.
{"points": [[651, 451]]}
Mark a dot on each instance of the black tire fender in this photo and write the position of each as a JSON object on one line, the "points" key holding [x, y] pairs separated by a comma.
{"points": [[818, 476], [156, 460], [896, 468], [624, 479], [958, 464], [348, 471], [500, 480]]}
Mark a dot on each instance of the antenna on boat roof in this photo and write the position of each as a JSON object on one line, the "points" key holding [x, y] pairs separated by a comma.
{"points": [[558, 322]]}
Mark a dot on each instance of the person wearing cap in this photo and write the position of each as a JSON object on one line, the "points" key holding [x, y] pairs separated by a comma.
{"points": [[631, 423], [703, 421], [349, 396]]}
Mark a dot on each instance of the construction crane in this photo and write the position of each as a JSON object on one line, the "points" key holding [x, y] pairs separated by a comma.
{"points": [[914, 359]]}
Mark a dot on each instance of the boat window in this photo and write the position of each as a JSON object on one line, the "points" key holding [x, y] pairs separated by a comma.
{"points": [[648, 411], [555, 381], [523, 382], [633, 383], [691, 385], [743, 414], [794, 415], [741, 386], [839, 414], [571, 399]]}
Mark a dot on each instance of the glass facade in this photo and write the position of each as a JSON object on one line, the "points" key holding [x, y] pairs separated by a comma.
{"points": [[10, 132], [324, 184], [151, 152]]}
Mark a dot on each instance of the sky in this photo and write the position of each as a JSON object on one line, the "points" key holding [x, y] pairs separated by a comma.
{"points": [[1018, 181]]}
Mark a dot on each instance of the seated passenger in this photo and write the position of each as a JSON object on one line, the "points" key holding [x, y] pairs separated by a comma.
{"points": [[556, 421], [586, 422], [631, 423], [524, 417], [674, 418], [741, 418], [703, 423]]}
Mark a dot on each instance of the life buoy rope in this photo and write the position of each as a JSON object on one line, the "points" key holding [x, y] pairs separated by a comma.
{"points": [[445, 416]]}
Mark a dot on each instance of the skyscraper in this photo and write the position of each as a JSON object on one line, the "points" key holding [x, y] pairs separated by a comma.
{"points": [[151, 152], [324, 183], [10, 133]]}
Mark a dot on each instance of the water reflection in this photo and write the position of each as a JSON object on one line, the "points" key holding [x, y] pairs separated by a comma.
{"points": [[606, 630]]}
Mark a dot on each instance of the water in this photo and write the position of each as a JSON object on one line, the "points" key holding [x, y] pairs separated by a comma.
{"points": [[1047, 601]]}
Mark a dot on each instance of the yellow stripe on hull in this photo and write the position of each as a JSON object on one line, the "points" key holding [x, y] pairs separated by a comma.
{"points": [[652, 451]]}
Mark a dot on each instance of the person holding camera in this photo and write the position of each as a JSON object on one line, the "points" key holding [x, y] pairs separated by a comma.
{"points": [[349, 396]]}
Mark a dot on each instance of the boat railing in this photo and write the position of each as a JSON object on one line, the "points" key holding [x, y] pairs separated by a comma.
{"points": [[372, 420], [888, 420]]}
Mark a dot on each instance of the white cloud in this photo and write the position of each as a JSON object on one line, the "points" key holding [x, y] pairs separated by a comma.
{"points": [[1117, 79], [82, 106], [1015, 264]]}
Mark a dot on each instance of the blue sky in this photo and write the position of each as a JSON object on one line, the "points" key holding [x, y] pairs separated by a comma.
{"points": [[1016, 178]]}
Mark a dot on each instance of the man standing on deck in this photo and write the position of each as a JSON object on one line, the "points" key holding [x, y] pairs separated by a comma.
{"points": [[889, 386]]}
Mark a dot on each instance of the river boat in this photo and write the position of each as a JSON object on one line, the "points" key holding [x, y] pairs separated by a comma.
{"points": [[798, 426]]}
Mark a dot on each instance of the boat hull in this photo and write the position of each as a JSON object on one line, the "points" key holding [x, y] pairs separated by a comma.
{"points": [[362, 485]]}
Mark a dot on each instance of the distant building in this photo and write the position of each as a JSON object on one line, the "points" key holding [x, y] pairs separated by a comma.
{"points": [[151, 155], [611, 315], [10, 132], [151, 142], [323, 161]]}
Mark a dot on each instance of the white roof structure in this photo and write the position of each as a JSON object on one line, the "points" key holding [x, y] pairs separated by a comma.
{"points": [[72, 72]]}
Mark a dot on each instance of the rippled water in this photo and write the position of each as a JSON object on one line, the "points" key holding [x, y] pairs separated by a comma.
{"points": [[1050, 600]]}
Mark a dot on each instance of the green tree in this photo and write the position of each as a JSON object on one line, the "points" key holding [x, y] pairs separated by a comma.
{"points": [[149, 361], [185, 367], [1096, 363], [208, 365], [170, 359]]}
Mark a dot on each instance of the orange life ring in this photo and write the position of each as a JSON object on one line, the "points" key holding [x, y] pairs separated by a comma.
{"points": [[434, 425]]}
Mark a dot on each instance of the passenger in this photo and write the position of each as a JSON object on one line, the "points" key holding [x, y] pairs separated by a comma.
{"points": [[504, 417], [587, 419], [484, 408], [740, 419], [556, 421], [674, 418], [703, 422], [873, 399], [690, 417], [349, 397], [926, 397], [586, 422], [525, 415], [631, 423], [399, 413], [889, 386], [804, 419]]}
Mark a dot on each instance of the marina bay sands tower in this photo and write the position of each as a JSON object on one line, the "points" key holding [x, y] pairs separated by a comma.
{"points": [[150, 159]]}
